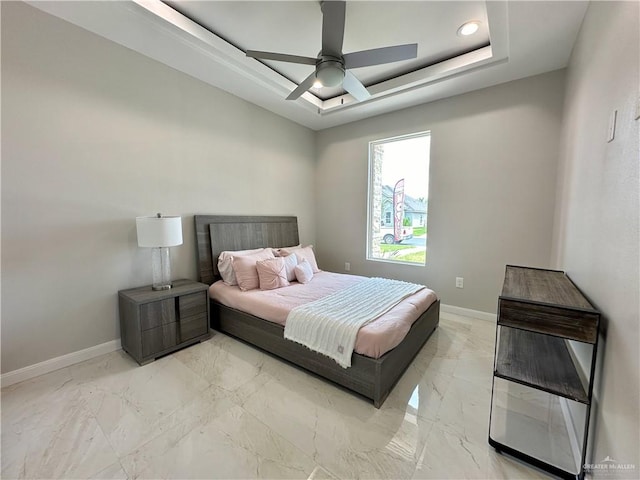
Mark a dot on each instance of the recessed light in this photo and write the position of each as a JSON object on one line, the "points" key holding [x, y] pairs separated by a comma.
{"points": [[469, 28]]}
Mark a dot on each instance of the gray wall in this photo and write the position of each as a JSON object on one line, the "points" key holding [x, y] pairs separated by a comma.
{"points": [[597, 237], [494, 156], [94, 135]]}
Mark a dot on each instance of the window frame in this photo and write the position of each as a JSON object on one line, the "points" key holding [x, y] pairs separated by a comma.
{"points": [[370, 194]]}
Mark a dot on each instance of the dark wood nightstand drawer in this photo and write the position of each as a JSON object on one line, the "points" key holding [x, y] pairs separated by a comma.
{"points": [[192, 327], [192, 304], [158, 313], [574, 324], [158, 339]]}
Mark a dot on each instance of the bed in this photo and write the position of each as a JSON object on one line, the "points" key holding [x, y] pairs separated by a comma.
{"points": [[372, 378]]}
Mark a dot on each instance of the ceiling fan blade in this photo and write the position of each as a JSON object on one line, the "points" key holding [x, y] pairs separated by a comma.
{"points": [[352, 85], [333, 15], [281, 57], [306, 84], [379, 56]]}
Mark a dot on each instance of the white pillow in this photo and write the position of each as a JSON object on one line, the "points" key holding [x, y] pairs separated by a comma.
{"points": [[302, 253], [225, 265], [290, 263], [276, 251], [304, 272]]}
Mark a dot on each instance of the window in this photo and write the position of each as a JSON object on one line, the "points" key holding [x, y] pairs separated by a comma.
{"points": [[398, 199]]}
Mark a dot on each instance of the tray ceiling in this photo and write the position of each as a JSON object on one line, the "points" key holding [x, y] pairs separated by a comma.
{"points": [[296, 27], [207, 40]]}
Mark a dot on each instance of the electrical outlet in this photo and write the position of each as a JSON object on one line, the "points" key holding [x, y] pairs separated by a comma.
{"points": [[459, 282], [347, 267]]}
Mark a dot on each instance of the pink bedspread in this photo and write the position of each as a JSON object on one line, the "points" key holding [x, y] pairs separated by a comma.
{"points": [[373, 340]]}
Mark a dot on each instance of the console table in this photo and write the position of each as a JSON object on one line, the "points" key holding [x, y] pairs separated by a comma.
{"points": [[540, 392]]}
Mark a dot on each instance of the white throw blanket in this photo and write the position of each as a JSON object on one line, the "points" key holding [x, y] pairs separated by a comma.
{"points": [[330, 325]]}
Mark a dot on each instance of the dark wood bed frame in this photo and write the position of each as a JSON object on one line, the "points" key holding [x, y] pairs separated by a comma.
{"points": [[370, 377]]}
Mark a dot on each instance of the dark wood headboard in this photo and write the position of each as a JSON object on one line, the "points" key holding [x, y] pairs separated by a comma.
{"points": [[217, 233]]}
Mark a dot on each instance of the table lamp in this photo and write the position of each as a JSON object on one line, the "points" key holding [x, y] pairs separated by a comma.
{"points": [[160, 233]]}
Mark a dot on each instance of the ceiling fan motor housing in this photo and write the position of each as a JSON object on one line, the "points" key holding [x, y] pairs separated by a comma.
{"points": [[330, 71]]}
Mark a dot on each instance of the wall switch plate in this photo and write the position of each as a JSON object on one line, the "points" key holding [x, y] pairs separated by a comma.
{"points": [[459, 282], [611, 134], [347, 267]]}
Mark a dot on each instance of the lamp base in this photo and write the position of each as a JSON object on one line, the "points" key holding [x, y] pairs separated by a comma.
{"points": [[161, 266]]}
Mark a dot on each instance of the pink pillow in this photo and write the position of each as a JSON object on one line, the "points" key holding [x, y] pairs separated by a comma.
{"points": [[305, 253], [245, 270], [304, 272], [272, 273], [225, 265]]}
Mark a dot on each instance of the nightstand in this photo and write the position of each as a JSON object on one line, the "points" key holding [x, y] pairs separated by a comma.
{"points": [[155, 323]]}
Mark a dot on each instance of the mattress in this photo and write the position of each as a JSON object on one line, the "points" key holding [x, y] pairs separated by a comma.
{"points": [[373, 340]]}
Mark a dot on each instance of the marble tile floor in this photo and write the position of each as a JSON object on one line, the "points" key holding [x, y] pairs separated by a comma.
{"points": [[221, 409]]}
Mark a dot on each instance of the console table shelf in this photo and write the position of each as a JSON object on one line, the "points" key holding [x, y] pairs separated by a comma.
{"points": [[539, 361], [539, 313]]}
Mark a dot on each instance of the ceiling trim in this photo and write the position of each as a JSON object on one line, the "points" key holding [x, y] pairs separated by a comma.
{"points": [[413, 80], [193, 34], [217, 49], [494, 54]]}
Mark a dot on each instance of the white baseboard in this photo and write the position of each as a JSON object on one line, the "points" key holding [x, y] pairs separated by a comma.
{"points": [[467, 312], [57, 363]]}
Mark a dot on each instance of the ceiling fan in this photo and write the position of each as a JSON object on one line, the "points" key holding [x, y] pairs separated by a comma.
{"points": [[332, 67]]}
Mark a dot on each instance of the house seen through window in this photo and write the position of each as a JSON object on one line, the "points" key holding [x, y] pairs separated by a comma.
{"points": [[398, 199]]}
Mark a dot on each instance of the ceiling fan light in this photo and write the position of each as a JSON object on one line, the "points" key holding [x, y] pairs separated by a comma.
{"points": [[468, 28], [330, 75]]}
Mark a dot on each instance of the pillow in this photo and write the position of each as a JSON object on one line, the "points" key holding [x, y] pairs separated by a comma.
{"points": [[305, 253], [276, 251], [272, 273], [304, 272], [225, 266], [290, 263], [245, 270]]}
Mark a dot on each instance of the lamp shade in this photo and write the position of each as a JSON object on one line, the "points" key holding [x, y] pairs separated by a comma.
{"points": [[159, 231]]}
